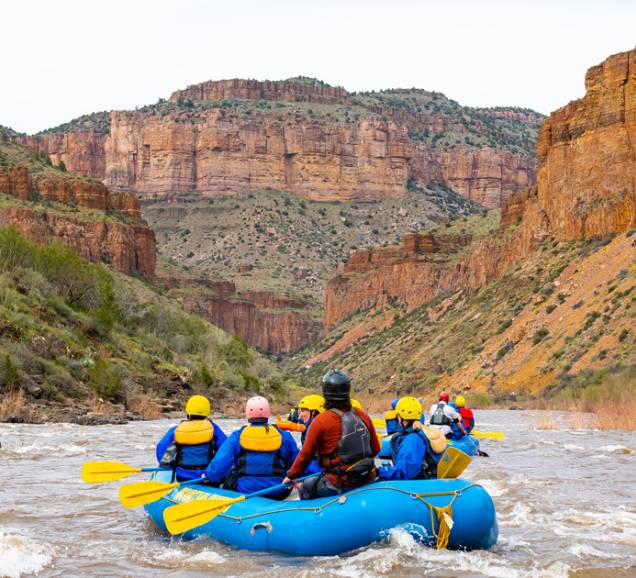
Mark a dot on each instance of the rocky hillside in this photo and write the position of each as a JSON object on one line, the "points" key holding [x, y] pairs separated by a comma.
{"points": [[80, 342], [546, 297], [211, 164], [46, 202]]}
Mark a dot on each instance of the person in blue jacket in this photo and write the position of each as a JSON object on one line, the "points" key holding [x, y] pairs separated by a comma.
{"points": [[416, 450], [256, 456], [187, 448]]}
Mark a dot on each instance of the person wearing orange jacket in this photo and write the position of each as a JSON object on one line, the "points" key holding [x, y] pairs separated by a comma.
{"points": [[344, 440]]}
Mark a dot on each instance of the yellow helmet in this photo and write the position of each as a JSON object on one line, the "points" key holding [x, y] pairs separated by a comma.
{"points": [[355, 403], [312, 402], [198, 405], [460, 401], [409, 408]]}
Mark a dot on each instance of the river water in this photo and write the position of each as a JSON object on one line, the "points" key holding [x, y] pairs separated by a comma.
{"points": [[565, 502]]}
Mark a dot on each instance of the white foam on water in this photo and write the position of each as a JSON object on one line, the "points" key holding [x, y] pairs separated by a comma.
{"points": [[184, 557], [616, 449], [495, 488], [21, 556], [585, 551], [36, 450], [519, 516]]}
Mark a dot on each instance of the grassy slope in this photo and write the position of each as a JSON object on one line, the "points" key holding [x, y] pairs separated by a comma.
{"points": [[293, 245], [121, 338], [494, 341]]}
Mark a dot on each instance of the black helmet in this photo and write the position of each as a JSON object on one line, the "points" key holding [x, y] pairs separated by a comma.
{"points": [[336, 385]]}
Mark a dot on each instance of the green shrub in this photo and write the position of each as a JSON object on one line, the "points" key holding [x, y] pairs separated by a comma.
{"points": [[540, 335], [550, 308], [623, 335], [105, 379], [504, 349], [15, 251]]}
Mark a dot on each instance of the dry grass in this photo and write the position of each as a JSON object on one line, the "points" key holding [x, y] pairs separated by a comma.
{"points": [[611, 414], [12, 404], [144, 405], [97, 406], [545, 420]]}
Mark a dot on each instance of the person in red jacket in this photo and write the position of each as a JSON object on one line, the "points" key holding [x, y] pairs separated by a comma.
{"points": [[468, 419], [344, 440]]}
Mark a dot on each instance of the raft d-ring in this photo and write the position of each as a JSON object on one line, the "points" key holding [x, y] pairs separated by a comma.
{"points": [[342, 500], [266, 525]]}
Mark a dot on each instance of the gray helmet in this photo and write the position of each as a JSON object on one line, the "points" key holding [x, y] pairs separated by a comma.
{"points": [[336, 385]]}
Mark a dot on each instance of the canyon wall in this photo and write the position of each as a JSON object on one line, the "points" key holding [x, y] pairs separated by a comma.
{"points": [[266, 321], [586, 188], [187, 146], [227, 152], [114, 233]]}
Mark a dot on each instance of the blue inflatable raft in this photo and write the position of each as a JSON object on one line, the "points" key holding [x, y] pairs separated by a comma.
{"points": [[468, 444], [329, 526]]}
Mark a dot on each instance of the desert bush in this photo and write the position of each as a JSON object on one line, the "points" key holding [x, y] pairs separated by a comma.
{"points": [[105, 378], [15, 251]]}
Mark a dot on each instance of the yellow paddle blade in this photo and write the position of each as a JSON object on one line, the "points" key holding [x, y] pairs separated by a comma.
{"points": [[491, 435], [452, 464], [133, 495], [97, 472], [184, 517], [379, 423]]}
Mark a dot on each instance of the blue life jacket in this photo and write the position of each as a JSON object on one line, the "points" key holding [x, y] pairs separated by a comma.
{"points": [[195, 443], [428, 468], [259, 457]]}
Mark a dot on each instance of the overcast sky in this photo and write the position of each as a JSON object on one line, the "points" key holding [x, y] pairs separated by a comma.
{"points": [[64, 58]]}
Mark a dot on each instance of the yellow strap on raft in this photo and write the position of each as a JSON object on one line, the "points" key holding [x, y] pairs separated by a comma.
{"points": [[435, 436], [193, 432], [260, 438]]}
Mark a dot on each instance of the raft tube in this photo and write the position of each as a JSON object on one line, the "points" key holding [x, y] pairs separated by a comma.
{"points": [[339, 524], [468, 444]]}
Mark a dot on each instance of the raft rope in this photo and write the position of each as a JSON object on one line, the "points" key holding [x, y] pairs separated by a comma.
{"points": [[442, 534]]}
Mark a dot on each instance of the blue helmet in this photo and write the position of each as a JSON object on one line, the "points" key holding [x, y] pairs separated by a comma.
{"points": [[395, 402]]}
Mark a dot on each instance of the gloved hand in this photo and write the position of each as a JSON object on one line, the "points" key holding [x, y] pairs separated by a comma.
{"points": [[386, 464]]}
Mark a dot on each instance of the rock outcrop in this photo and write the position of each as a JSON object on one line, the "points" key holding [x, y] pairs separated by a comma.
{"points": [[586, 188], [268, 90], [129, 249], [587, 155], [203, 141], [114, 234], [266, 321], [226, 153]]}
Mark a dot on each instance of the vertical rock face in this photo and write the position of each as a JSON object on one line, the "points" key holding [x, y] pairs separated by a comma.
{"points": [[263, 320], [587, 155], [127, 244], [227, 153], [204, 140], [255, 90], [586, 188], [81, 151]]}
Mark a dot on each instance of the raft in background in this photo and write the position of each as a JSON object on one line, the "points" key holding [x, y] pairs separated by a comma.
{"points": [[467, 444], [338, 524]]}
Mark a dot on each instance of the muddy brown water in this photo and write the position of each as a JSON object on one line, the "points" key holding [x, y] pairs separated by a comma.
{"points": [[565, 500]]}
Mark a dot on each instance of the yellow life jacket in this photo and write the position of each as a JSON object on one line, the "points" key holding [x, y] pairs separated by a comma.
{"points": [[391, 414], [260, 438], [435, 437], [194, 432]]}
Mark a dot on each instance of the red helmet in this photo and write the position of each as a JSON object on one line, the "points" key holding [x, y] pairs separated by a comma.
{"points": [[444, 396]]}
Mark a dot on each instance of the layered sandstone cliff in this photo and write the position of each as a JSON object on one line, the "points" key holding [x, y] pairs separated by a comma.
{"points": [[268, 90], [264, 320], [586, 188], [98, 224], [204, 140], [226, 153]]}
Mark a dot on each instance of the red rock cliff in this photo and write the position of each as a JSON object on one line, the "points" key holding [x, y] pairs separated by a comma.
{"points": [[586, 188], [268, 90], [224, 151], [127, 244], [228, 153]]}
